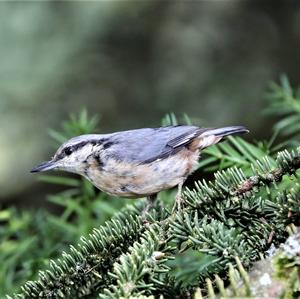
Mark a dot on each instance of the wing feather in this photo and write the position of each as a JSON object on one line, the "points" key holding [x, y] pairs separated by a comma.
{"points": [[177, 143], [147, 145], [185, 138]]}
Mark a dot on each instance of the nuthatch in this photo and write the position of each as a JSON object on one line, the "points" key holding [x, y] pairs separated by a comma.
{"points": [[137, 163]]}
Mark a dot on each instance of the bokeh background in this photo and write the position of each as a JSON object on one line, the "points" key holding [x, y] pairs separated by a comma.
{"points": [[131, 62]]}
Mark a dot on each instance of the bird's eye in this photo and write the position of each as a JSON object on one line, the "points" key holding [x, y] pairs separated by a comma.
{"points": [[68, 151]]}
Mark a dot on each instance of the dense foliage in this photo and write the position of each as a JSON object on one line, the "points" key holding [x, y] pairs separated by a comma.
{"points": [[226, 225]]}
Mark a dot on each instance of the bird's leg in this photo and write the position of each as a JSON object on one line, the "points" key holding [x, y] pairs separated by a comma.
{"points": [[178, 198], [149, 204]]}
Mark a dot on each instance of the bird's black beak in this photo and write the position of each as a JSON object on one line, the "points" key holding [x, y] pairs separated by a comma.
{"points": [[44, 166]]}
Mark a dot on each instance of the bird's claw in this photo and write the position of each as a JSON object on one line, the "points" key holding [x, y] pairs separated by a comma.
{"points": [[177, 203]]}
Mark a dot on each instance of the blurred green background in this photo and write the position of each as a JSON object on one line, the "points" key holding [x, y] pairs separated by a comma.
{"points": [[131, 62]]}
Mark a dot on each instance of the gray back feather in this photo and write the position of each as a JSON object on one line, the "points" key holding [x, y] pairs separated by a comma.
{"points": [[147, 145]]}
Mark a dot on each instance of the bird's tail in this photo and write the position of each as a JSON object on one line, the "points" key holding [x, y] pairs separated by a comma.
{"points": [[213, 136], [225, 131]]}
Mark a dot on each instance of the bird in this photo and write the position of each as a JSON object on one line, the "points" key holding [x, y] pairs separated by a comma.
{"points": [[139, 162]]}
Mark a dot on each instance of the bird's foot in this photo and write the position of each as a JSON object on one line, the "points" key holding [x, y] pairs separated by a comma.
{"points": [[177, 203], [148, 206]]}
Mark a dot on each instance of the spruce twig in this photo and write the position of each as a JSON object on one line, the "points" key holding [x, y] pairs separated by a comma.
{"points": [[84, 269], [128, 258]]}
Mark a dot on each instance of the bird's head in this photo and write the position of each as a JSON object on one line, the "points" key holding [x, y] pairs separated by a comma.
{"points": [[73, 155]]}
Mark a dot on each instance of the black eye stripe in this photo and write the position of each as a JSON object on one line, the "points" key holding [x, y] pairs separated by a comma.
{"points": [[67, 151]]}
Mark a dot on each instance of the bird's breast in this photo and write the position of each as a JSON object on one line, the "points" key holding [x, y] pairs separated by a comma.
{"points": [[125, 179]]}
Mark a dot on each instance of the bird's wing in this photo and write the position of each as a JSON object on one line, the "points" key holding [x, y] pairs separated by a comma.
{"points": [[177, 143], [147, 145], [185, 138]]}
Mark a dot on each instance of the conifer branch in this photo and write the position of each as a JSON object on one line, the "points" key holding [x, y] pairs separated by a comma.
{"points": [[233, 183], [138, 271], [222, 218], [224, 222], [84, 269], [273, 277]]}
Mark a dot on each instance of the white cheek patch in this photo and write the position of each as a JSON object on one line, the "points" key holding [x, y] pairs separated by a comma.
{"points": [[76, 160], [69, 163], [208, 141], [83, 153]]}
